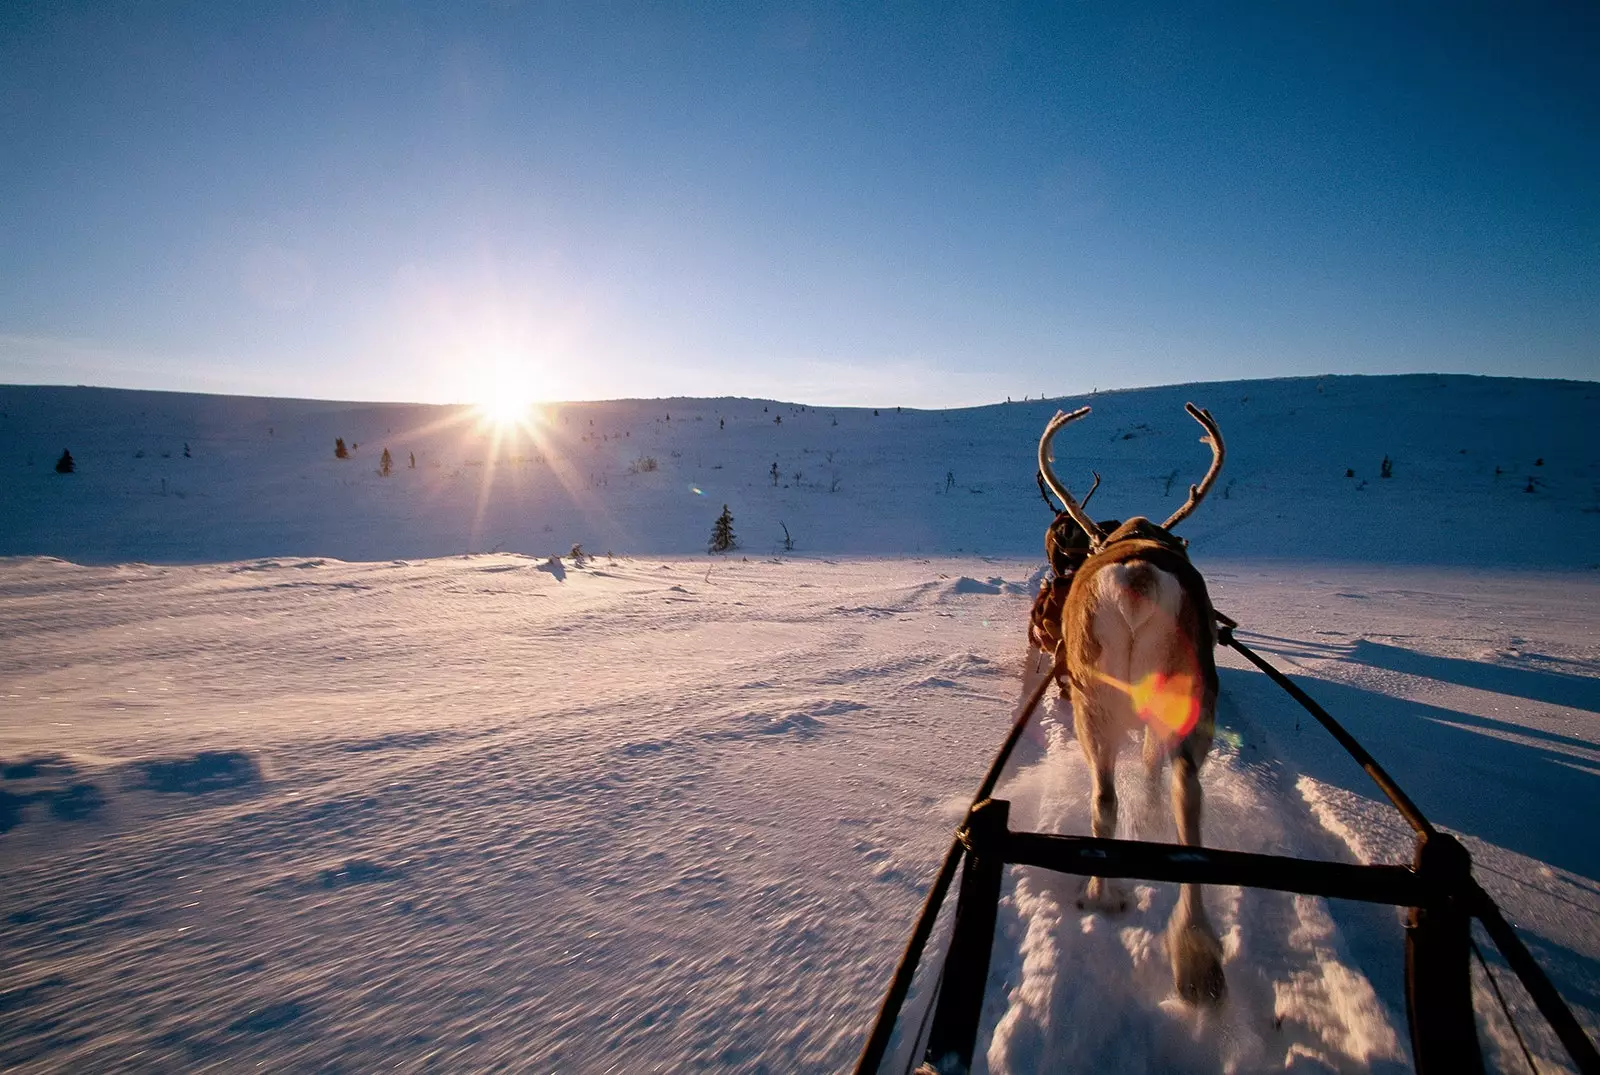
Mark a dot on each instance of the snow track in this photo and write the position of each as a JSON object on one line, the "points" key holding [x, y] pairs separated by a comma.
{"points": [[1093, 991]]}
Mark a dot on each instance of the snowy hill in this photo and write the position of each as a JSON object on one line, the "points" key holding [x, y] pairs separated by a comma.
{"points": [[1484, 471], [288, 783]]}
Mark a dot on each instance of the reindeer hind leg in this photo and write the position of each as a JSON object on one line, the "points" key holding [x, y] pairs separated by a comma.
{"points": [[1151, 810], [1101, 715], [1191, 939]]}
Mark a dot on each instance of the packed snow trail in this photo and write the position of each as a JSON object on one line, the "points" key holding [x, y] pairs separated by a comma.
{"points": [[1092, 991]]}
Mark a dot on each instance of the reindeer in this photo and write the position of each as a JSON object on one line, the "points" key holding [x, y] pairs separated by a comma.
{"points": [[1138, 634], [1066, 547]]}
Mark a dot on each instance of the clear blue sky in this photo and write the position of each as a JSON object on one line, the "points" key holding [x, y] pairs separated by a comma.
{"points": [[928, 204]]}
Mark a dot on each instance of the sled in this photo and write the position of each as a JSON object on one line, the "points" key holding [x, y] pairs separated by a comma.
{"points": [[1438, 889]]}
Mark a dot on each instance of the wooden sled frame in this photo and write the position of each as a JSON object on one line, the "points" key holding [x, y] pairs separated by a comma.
{"points": [[1438, 888]]}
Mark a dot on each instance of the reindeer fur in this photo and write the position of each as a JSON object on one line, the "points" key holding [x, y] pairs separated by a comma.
{"points": [[1137, 612]]}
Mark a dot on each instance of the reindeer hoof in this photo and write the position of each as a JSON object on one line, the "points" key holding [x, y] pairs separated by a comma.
{"points": [[1196, 964], [1099, 894]]}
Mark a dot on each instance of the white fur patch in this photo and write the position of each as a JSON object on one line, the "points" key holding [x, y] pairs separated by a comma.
{"points": [[1115, 588]]}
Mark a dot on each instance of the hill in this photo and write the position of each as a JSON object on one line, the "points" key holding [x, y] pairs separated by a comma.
{"points": [[1487, 471]]}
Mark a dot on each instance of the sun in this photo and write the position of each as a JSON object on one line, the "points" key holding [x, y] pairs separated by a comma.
{"points": [[506, 409], [505, 397]]}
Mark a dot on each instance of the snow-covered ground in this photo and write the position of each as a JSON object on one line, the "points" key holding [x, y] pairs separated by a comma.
{"points": [[278, 789]]}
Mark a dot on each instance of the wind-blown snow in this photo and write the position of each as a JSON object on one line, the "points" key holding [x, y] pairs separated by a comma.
{"points": [[279, 789]]}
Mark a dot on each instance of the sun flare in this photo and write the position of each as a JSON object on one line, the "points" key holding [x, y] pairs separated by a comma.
{"points": [[506, 409], [505, 398]]}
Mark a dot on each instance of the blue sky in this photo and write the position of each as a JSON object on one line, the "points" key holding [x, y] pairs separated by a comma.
{"points": [[921, 204]]}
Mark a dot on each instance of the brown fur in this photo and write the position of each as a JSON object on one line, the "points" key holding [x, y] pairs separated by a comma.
{"points": [[1138, 641], [1094, 615], [1066, 546]]}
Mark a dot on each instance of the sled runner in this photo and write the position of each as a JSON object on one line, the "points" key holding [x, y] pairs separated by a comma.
{"points": [[1438, 888]]}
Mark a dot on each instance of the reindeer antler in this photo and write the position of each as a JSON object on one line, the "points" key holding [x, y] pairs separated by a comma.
{"points": [[1097, 536], [1198, 493], [1084, 503], [1044, 493], [1038, 476]]}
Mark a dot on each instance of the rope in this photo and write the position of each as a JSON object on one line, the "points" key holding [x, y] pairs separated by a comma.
{"points": [[1502, 1002]]}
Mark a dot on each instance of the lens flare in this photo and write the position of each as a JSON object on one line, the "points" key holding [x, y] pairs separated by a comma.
{"points": [[1169, 702]]}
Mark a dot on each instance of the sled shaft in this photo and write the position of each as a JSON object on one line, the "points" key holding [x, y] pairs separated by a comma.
{"points": [[1402, 802]]}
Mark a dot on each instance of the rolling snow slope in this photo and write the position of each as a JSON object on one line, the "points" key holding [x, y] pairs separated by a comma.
{"points": [[262, 479], [670, 811]]}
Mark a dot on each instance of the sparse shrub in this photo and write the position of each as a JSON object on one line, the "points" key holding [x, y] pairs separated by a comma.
{"points": [[66, 464], [186, 454], [385, 463], [774, 473], [643, 465], [788, 542], [577, 555], [339, 450], [1386, 468], [777, 419], [722, 538]]}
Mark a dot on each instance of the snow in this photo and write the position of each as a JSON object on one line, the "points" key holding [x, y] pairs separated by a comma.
{"points": [[296, 771]]}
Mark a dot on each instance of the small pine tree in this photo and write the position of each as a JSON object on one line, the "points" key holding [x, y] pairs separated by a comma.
{"points": [[66, 465], [186, 454], [722, 538], [1386, 468], [577, 555], [385, 463], [339, 450]]}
